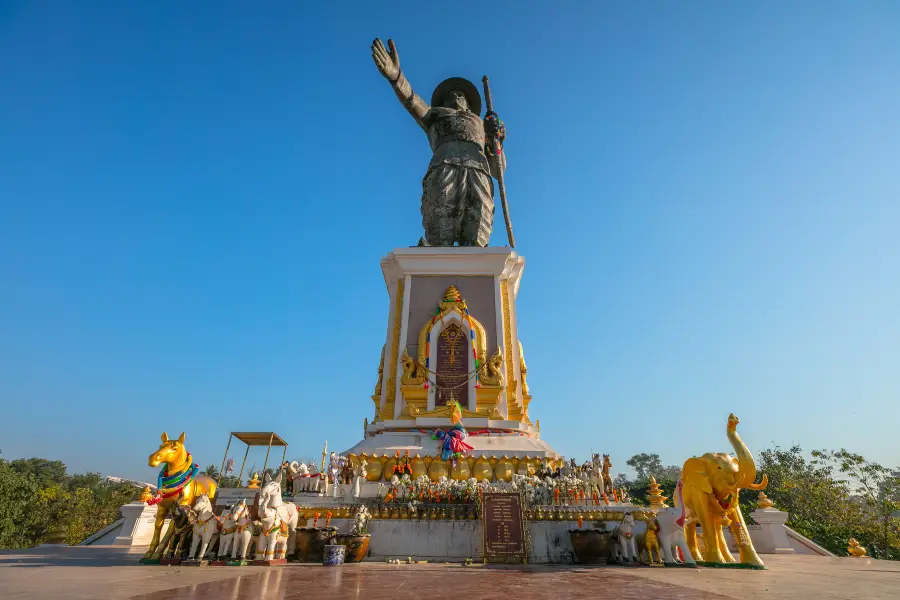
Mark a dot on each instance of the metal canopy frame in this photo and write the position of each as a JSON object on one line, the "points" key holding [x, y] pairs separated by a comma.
{"points": [[253, 438]]}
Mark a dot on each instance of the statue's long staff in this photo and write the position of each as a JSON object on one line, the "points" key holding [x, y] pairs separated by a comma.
{"points": [[497, 151]]}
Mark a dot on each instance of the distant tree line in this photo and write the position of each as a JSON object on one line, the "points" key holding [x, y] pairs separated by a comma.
{"points": [[831, 496], [41, 503]]}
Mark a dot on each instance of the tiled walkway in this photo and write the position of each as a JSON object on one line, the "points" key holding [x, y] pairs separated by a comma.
{"points": [[87, 573]]}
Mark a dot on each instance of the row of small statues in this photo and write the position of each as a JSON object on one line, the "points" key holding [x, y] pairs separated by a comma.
{"points": [[306, 478], [197, 534]]}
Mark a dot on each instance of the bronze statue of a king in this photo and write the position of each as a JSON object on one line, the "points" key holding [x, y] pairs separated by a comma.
{"points": [[457, 191]]}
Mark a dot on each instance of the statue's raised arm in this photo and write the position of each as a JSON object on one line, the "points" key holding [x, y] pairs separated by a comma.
{"points": [[388, 62]]}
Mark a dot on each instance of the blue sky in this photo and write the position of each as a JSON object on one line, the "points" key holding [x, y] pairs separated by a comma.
{"points": [[194, 199]]}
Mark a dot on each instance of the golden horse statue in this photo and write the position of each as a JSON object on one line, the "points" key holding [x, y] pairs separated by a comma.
{"points": [[179, 483]]}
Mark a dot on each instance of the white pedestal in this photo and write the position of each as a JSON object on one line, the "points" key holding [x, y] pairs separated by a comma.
{"points": [[771, 538], [487, 279], [137, 530]]}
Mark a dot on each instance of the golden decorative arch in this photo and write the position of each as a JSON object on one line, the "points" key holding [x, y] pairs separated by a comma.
{"points": [[453, 302]]}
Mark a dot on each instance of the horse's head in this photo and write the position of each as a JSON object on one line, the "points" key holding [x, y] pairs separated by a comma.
{"points": [[171, 452], [239, 510], [270, 494], [202, 504]]}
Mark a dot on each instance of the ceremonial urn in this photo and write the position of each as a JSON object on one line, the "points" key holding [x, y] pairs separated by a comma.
{"points": [[311, 541], [389, 464], [483, 469], [504, 469], [459, 470], [374, 469], [439, 468], [418, 466], [591, 545]]}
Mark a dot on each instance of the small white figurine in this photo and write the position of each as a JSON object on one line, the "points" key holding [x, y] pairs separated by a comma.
{"points": [[359, 475]]}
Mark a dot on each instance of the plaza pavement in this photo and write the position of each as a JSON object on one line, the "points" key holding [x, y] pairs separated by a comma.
{"points": [[112, 573]]}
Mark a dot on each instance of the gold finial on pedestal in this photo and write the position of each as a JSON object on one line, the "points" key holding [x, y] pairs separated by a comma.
{"points": [[145, 494], [654, 495], [854, 549], [763, 501], [254, 482], [452, 295]]}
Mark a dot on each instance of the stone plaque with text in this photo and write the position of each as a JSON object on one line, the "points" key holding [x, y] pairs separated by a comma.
{"points": [[503, 528]]}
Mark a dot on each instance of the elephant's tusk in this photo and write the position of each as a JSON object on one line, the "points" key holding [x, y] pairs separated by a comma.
{"points": [[756, 487]]}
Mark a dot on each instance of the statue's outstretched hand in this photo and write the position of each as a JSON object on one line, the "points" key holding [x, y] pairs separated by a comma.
{"points": [[387, 60]]}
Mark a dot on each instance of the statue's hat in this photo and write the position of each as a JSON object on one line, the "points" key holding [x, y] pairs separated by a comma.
{"points": [[458, 84]]}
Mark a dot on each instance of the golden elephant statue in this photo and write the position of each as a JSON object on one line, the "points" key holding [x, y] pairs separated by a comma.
{"points": [[710, 486]]}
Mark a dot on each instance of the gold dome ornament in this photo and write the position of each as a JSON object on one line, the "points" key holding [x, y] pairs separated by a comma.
{"points": [[763, 501], [254, 482], [657, 500], [854, 548], [145, 494]]}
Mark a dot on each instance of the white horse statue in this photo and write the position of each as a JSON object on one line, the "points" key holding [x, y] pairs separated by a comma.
{"points": [[273, 535], [205, 527], [623, 543], [242, 534], [227, 528], [274, 515], [671, 530]]}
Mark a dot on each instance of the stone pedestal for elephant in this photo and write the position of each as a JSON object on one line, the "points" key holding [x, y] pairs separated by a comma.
{"points": [[771, 538]]}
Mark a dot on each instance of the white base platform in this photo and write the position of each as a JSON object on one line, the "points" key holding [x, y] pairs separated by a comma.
{"points": [[455, 541], [510, 444]]}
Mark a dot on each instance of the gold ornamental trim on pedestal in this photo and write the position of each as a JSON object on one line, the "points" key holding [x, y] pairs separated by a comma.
{"points": [[376, 395], [448, 306], [387, 413], [524, 370], [514, 410]]}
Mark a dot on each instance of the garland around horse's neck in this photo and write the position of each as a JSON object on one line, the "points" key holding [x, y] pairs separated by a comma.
{"points": [[169, 484]]}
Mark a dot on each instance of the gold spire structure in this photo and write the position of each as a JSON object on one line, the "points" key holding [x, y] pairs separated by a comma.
{"points": [[657, 500], [145, 494]]}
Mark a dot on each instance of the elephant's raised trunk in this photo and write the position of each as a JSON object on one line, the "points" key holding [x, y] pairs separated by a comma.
{"points": [[747, 468]]}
